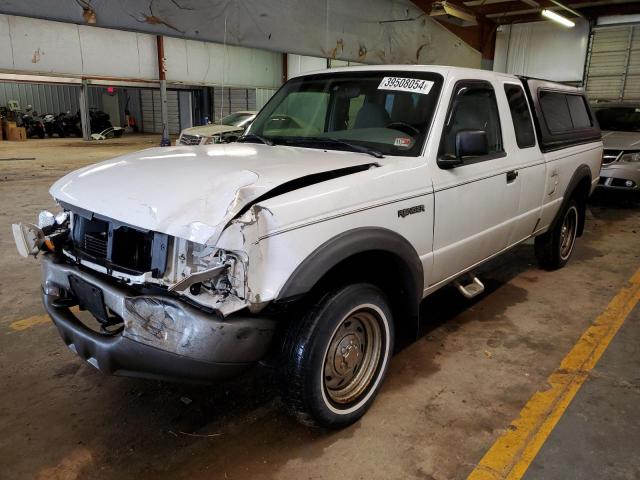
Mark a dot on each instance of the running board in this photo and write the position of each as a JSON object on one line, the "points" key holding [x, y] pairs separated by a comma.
{"points": [[471, 289]]}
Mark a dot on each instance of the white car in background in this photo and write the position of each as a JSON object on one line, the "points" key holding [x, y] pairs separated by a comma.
{"points": [[226, 130]]}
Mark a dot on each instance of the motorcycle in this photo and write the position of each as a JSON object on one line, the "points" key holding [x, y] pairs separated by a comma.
{"points": [[73, 124], [99, 121], [54, 125], [32, 123]]}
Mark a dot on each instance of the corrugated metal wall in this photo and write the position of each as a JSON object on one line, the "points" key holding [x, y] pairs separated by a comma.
{"points": [[228, 100], [613, 68], [263, 95], [45, 98], [48, 97], [151, 118]]}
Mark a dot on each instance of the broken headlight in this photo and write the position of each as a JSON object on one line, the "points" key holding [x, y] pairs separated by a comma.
{"points": [[203, 267], [49, 235]]}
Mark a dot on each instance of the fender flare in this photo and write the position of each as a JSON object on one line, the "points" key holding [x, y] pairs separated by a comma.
{"points": [[582, 172], [345, 245]]}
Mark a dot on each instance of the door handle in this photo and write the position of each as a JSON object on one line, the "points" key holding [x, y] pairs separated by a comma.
{"points": [[511, 176]]}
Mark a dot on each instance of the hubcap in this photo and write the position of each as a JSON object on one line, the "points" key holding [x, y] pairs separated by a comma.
{"points": [[352, 357], [568, 232]]}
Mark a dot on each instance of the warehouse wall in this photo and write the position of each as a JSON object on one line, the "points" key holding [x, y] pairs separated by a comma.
{"points": [[297, 64], [371, 31], [45, 47], [543, 50], [45, 98], [200, 63]]}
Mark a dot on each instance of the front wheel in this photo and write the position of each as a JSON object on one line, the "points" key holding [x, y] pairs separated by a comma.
{"points": [[336, 357], [554, 248]]}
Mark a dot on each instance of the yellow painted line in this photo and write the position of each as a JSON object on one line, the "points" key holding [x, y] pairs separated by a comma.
{"points": [[26, 323], [512, 453], [29, 322]]}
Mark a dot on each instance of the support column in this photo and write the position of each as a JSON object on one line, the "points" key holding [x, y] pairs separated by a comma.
{"points": [[164, 112], [85, 118]]}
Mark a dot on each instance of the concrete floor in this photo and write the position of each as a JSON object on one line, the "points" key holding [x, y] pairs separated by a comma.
{"points": [[599, 434], [446, 398]]}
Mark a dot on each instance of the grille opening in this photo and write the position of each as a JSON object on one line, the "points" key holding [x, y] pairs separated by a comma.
{"points": [[95, 244], [189, 139], [91, 236], [132, 249], [120, 247]]}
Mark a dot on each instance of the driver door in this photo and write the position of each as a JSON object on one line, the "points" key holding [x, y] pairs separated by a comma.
{"points": [[476, 202]]}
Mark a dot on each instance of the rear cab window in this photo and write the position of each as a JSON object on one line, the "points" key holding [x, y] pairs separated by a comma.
{"points": [[564, 112], [562, 115], [520, 115]]}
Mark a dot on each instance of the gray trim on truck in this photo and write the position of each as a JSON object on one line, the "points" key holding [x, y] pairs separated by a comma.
{"points": [[346, 245], [582, 174]]}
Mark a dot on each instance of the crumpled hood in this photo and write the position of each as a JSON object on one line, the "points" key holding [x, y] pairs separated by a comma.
{"points": [[621, 140], [191, 192], [212, 129]]}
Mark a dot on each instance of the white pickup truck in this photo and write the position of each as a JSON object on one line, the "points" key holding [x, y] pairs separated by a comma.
{"points": [[354, 194]]}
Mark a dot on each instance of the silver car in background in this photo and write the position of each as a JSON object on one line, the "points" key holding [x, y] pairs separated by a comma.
{"points": [[225, 130], [620, 124]]}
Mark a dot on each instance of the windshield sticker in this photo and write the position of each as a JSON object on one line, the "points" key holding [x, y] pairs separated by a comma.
{"points": [[402, 142], [412, 85]]}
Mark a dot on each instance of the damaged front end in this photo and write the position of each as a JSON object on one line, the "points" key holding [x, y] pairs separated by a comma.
{"points": [[204, 275], [164, 307]]}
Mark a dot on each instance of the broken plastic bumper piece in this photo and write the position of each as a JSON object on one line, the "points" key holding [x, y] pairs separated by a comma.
{"points": [[159, 336]]}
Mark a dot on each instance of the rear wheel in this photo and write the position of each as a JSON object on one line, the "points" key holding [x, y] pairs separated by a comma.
{"points": [[554, 248], [336, 357]]}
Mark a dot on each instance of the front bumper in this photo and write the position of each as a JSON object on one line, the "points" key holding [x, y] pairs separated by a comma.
{"points": [[162, 338], [615, 176]]}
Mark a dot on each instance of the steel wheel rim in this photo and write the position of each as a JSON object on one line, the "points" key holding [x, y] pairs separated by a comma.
{"points": [[568, 232], [352, 357]]}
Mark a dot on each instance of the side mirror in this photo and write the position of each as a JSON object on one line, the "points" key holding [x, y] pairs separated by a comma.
{"points": [[471, 143]]}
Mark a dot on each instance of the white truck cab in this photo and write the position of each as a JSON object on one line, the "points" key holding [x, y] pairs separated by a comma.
{"points": [[354, 194]]}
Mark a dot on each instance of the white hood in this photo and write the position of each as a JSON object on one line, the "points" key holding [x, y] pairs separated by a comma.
{"points": [[191, 192]]}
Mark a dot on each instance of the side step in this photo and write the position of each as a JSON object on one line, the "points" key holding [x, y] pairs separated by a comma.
{"points": [[472, 288]]}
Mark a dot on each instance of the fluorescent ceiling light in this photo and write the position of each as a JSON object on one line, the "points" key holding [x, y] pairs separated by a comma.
{"points": [[551, 15]]}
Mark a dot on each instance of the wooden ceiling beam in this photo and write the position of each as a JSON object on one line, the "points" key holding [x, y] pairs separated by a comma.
{"points": [[481, 37]]}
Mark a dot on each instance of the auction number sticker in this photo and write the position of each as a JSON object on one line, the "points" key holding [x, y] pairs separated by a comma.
{"points": [[412, 85]]}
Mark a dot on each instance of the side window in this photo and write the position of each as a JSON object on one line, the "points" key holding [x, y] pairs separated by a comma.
{"points": [[473, 107], [520, 115], [564, 112], [555, 111], [578, 110]]}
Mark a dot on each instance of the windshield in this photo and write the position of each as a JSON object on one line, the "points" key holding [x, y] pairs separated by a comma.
{"points": [[388, 112], [236, 119], [624, 119]]}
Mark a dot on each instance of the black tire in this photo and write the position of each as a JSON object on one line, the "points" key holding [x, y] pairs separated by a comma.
{"points": [[347, 320], [554, 248]]}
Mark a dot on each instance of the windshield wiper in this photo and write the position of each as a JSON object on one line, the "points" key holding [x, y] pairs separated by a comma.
{"points": [[252, 136], [335, 141]]}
